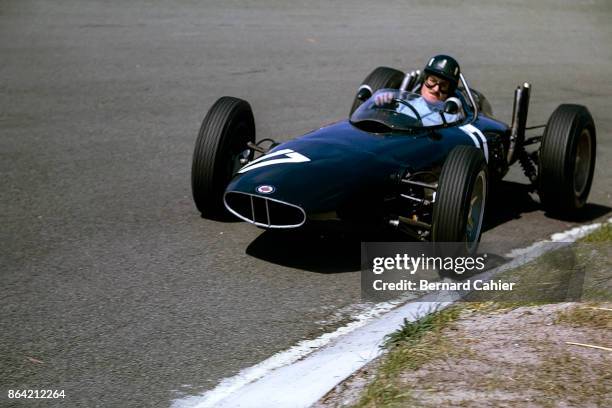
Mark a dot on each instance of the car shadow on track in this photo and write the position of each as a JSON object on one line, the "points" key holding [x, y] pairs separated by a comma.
{"points": [[335, 253], [328, 252], [510, 200]]}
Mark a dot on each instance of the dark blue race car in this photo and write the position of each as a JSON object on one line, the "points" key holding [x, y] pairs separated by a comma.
{"points": [[396, 165]]}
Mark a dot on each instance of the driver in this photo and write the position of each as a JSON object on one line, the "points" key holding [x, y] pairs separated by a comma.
{"points": [[441, 80]]}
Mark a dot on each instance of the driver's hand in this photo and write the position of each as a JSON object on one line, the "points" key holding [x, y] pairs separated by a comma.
{"points": [[383, 98]]}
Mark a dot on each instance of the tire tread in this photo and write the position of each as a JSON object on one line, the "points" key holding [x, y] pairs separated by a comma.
{"points": [[212, 140], [556, 162], [454, 186]]}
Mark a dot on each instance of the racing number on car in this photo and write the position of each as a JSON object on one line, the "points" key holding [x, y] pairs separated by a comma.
{"points": [[478, 138], [290, 156]]}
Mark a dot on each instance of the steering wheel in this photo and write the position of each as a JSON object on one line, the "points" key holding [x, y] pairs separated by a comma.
{"points": [[403, 102]]}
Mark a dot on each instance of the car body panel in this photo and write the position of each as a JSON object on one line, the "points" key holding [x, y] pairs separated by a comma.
{"points": [[348, 173]]}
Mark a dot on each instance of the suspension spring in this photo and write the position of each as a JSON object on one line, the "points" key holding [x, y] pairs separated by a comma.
{"points": [[528, 166]]}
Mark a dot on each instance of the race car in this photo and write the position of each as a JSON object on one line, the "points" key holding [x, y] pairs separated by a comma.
{"points": [[388, 166]]}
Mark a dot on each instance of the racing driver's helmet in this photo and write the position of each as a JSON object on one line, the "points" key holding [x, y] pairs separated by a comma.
{"points": [[445, 67]]}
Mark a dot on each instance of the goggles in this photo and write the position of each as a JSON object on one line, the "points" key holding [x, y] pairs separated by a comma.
{"points": [[443, 86]]}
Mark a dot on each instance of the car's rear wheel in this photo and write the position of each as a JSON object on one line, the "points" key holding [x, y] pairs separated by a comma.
{"points": [[567, 160], [220, 149], [381, 77], [460, 201]]}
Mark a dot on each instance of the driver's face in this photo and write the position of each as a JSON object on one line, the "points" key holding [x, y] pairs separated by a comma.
{"points": [[435, 89]]}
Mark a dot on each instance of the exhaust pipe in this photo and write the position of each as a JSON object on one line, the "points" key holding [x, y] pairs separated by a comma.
{"points": [[519, 121]]}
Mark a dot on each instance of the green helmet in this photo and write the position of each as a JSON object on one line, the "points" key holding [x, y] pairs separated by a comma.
{"points": [[445, 67]]}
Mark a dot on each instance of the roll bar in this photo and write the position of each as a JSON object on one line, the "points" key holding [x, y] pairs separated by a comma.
{"points": [[470, 97]]}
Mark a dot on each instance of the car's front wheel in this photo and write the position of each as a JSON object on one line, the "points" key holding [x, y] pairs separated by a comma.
{"points": [[220, 150], [460, 200]]}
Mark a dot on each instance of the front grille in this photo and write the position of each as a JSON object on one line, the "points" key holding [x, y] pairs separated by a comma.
{"points": [[263, 211]]}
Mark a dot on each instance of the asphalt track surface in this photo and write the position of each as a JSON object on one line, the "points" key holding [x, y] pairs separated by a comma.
{"points": [[112, 287]]}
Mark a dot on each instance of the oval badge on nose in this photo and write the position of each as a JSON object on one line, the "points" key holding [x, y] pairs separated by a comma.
{"points": [[265, 189]]}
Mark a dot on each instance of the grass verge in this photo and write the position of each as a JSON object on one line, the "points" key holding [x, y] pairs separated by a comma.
{"points": [[586, 316], [602, 234], [410, 346], [563, 373]]}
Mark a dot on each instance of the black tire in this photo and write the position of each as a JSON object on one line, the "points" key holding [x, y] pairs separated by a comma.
{"points": [[567, 160], [381, 77], [227, 128], [456, 218]]}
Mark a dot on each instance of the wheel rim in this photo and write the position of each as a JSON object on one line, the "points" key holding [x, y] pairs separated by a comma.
{"points": [[476, 211], [582, 165]]}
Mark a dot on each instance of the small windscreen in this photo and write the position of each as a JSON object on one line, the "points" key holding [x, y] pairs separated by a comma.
{"points": [[395, 110]]}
